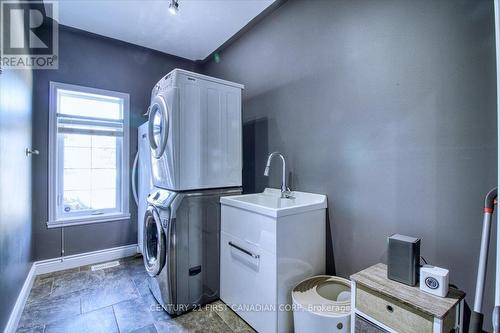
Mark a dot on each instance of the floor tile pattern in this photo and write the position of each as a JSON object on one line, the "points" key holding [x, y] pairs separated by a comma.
{"points": [[115, 299]]}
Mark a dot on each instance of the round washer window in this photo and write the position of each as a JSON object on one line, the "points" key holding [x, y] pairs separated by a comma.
{"points": [[152, 240]]}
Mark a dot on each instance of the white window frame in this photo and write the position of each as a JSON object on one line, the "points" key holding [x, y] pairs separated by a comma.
{"points": [[54, 163]]}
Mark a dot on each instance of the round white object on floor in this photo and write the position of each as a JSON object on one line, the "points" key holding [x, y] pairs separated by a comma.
{"points": [[322, 304]]}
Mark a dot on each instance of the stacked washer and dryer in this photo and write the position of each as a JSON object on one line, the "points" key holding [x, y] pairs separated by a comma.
{"points": [[195, 139]]}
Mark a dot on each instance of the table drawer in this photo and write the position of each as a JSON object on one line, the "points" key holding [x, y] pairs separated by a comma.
{"points": [[391, 312], [361, 325]]}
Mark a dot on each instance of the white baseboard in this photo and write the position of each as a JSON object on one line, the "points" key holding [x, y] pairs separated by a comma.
{"points": [[59, 264], [88, 258], [17, 311]]}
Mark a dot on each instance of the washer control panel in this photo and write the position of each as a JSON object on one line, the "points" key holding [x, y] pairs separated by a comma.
{"points": [[161, 198]]}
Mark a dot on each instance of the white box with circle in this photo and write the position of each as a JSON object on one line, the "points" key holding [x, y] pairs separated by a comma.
{"points": [[434, 280]]}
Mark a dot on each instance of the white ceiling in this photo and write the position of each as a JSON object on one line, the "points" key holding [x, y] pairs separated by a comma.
{"points": [[200, 27]]}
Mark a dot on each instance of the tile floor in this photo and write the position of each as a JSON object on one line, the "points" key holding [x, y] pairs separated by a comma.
{"points": [[112, 300]]}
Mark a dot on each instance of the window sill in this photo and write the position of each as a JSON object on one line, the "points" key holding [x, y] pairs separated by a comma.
{"points": [[87, 220]]}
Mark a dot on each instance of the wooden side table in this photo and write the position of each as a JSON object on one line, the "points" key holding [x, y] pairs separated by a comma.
{"points": [[382, 305]]}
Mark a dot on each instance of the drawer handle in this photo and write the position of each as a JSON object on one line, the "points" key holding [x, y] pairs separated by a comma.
{"points": [[255, 256], [389, 308]]}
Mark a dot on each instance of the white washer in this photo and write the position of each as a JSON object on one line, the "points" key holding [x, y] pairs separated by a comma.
{"points": [[195, 132], [181, 247], [142, 183]]}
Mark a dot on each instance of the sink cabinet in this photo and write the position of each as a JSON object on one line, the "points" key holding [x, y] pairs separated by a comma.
{"points": [[263, 257]]}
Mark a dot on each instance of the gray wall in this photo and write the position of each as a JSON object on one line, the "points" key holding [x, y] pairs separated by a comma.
{"points": [[98, 62], [388, 107], [15, 186]]}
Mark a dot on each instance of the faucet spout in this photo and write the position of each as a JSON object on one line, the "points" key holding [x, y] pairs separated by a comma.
{"points": [[266, 171], [285, 191]]}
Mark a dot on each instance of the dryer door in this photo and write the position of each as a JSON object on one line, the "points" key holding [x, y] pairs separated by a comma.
{"points": [[158, 125], [153, 243]]}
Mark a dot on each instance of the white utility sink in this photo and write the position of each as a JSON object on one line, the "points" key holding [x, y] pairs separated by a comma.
{"points": [[270, 202], [268, 245]]}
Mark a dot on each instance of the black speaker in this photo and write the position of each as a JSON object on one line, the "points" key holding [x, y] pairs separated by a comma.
{"points": [[403, 259]]}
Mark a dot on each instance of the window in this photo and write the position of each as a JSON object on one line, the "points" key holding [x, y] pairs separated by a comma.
{"points": [[88, 155]]}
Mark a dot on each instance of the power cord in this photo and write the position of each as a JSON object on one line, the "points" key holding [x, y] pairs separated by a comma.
{"points": [[423, 259]]}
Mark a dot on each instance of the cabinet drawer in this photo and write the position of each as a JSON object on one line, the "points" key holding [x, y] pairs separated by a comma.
{"points": [[259, 230], [248, 283], [391, 312], [361, 325]]}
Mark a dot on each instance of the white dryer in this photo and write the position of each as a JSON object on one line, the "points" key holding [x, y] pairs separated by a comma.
{"points": [[194, 132]]}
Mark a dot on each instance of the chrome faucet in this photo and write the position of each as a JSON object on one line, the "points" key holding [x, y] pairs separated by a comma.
{"points": [[285, 191]]}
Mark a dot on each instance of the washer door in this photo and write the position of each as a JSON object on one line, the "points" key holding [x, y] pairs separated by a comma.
{"points": [[153, 243], [158, 125]]}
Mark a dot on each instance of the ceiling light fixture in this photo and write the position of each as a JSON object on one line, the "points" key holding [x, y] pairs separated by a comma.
{"points": [[173, 8]]}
